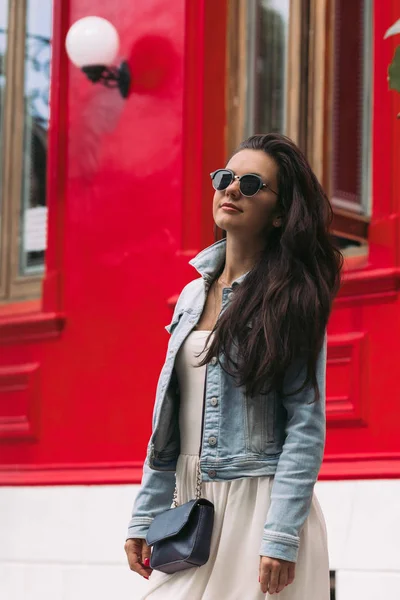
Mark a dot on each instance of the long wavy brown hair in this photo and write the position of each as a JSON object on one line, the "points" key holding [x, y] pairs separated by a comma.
{"points": [[287, 296]]}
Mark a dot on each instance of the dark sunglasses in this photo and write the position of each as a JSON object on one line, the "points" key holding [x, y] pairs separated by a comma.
{"points": [[249, 184]]}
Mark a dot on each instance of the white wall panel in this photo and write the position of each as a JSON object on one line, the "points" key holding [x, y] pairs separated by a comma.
{"points": [[363, 520], [66, 543], [362, 585], [337, 502]]}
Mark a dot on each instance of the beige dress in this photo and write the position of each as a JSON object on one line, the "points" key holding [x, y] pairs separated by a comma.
{"points": [[241, 507]]}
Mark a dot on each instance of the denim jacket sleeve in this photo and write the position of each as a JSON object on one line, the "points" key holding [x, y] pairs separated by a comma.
{"points": [[157, 487], [154, 497], [298, 466]]}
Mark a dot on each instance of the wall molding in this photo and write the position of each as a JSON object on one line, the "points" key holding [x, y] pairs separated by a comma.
{"points": [[357, 286], [19, 402], [361, 466], [28, 328], [368, 283], [347, 400], [334, 467], [72, 474]]}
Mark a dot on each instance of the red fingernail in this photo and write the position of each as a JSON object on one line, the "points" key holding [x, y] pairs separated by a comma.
{"points": [[146, 562], [146, 577]]}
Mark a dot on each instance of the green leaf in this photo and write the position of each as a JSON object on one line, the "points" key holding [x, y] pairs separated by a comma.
{"points": [[394, 71]]}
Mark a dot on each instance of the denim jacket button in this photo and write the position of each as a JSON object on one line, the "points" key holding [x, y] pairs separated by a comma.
{"points": [[213, 361], [230, 295], [212, 473], [214, 401], [212, 440]]}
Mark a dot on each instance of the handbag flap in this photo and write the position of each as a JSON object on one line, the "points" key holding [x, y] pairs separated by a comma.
{"points": [[170, 522]]}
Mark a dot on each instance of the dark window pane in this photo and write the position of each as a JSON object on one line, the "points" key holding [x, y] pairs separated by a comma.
{"points": [[349, 96], [36, 96], [273, 22], [3, 51], [267, 50]]}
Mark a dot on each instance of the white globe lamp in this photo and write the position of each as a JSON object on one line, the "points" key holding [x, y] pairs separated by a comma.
{"points": [[92, 44]]}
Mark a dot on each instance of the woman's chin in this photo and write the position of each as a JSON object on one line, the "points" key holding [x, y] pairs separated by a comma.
{"points": [[228, 223]]}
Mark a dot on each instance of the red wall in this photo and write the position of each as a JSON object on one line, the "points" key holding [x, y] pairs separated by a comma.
{"points": [[364, 351], [129, 205]]}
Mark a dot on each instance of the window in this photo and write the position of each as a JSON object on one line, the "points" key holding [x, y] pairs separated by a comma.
{"points": [[25, 46], [257, 64], [289, 70], [348, 129]]}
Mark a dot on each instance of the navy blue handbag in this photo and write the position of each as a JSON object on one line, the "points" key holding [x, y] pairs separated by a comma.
{"points": [[181, 537]]}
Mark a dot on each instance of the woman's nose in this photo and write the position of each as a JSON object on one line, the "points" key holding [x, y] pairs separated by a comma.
{"points": [[233, 189]]}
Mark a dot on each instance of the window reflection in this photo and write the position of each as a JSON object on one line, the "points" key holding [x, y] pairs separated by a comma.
{"points": [[3, 58], [33, 228], [271, 66], [351, 127], [267, 52]]}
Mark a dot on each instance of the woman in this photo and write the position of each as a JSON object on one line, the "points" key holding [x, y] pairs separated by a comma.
{"points": [[248, 339]]}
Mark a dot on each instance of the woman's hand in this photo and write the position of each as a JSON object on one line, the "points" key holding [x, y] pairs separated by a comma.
{"points": [[275, 574], [138, 553]]}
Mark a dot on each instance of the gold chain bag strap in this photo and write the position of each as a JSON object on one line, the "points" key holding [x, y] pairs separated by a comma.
{"points": [[198, 487]]}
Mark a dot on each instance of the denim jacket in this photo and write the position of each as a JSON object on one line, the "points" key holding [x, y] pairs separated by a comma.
{"points": [[276, 435]]}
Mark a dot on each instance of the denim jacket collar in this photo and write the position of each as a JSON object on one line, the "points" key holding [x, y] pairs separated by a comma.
{"points": [[210, 260]]}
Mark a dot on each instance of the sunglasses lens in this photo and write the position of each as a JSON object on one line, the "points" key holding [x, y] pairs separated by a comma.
{"points": [[222, 179], [249, 185]]}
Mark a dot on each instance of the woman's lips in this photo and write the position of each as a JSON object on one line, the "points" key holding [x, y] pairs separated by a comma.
{"points": [[230, 208]]}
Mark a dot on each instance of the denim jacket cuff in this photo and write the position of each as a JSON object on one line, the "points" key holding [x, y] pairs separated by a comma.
{"points": [[138, 527], [280, 545]]}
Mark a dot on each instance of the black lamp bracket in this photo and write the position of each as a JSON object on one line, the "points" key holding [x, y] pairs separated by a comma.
{"points": [[111, 77]]}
